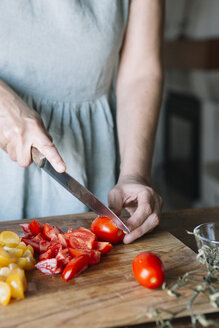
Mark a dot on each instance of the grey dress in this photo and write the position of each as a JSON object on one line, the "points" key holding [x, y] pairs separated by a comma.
{"points": [[60, 57]]}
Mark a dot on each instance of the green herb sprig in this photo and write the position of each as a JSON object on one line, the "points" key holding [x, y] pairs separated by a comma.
{"points": [[204, 281]]}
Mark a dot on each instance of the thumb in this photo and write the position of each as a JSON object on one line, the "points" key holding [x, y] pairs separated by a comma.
{"points": [[115, 201]]}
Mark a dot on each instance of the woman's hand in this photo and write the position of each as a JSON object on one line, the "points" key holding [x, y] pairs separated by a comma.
{"points": [[141, 201], [21, 128]]}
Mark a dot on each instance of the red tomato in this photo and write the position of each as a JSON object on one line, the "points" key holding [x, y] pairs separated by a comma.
{"points": [[33, 243], [83, 236], [51, 232], [25, 227], [35, 227], [102, 247], [148, 270], [75, 266], [94, 255], [64, 256], [49, 266], [104, 228]]}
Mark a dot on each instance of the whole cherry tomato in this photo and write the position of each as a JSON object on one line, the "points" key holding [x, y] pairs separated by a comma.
{"points": [[106, 230], [148, 270]]}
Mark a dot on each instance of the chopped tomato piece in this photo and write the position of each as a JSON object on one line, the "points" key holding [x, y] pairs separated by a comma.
{"points": [[39, 237], [86, 235], [35, 227], [78, 243], [102, 247], [75, 267], [35, 244], [94, 256], [51, 232], [62, 240], [44, 244], [46, 255], [25, 227], [49, 266], [64, 256]]}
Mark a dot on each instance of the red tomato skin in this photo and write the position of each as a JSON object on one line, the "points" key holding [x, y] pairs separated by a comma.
{"points": [[49, 266], [148, 270], [51, 232], [104, 228], [102, 246], [35, 227], [25, 227], [75, 267]]}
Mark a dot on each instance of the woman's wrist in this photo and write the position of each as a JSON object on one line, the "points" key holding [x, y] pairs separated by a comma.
{"points": [[134, 178]]}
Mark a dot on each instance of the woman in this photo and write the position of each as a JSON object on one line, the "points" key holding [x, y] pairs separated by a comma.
{"points": [[57, 62]]}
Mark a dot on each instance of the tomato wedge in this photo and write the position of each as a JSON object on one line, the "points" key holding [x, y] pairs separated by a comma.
{"points": [[33, 243], [102, 247], [25, 227], [50, 266], [75, 267], [35, 227], [94, 255], [83, 236], [64, 256], [51, 232]]}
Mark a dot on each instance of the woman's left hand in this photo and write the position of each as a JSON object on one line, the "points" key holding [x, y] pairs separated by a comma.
{"points": [[141, 201]]}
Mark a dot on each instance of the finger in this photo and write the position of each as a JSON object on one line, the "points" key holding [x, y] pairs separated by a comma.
{"points": [[144, 209], [115, 202], [48, 149], [10, 149], [149, 224]]}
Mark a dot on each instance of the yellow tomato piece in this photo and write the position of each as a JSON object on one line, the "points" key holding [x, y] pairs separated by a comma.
{"points": [[6, 258], [13, 266], [22, 262], [4, 273], [21, 274], [22, 246], [28, 253], [5, 293], [1, 244], [30, 248], [9, 238], [30, 265], [15, 282], [16, 252]]}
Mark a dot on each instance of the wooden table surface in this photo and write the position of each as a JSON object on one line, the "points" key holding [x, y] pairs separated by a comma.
{"points": [[176, 222]]}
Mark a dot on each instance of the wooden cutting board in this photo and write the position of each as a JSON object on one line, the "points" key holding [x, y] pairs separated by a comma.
{"points": [[105, 295]]}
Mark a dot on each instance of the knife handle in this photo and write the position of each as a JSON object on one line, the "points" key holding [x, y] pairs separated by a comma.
{"points": [[38, 158]]}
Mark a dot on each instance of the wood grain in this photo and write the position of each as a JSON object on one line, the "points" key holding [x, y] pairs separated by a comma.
{"points": [[106, 295]]}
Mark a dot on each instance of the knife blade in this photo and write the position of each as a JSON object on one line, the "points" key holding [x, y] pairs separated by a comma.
{"points": [[77, 190]]}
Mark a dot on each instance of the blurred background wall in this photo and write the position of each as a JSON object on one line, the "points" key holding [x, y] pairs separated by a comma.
{"points": [[186, 159]]}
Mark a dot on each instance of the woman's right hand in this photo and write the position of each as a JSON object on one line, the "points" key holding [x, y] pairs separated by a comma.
{"points": [[21, 128]]}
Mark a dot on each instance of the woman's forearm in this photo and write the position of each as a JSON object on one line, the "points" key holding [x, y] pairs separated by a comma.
{"points": [[138, 106]]}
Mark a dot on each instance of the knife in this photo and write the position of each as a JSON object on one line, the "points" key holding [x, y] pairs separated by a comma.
{"points": [[76, 189]]}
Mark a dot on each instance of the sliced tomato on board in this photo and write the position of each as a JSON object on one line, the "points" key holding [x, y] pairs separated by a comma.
{"points": [[39, 237], [64, 256], [33, 243], [51, 232], [35, 227], [77, 243], [62, 240], [102, 247], [25, 227], [46, 255], [75, 267], [44, 244], [49, 266], [81, 238], [94, 255]]}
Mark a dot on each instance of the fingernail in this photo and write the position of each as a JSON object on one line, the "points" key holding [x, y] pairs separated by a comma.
{"points": [[61, 167]]}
